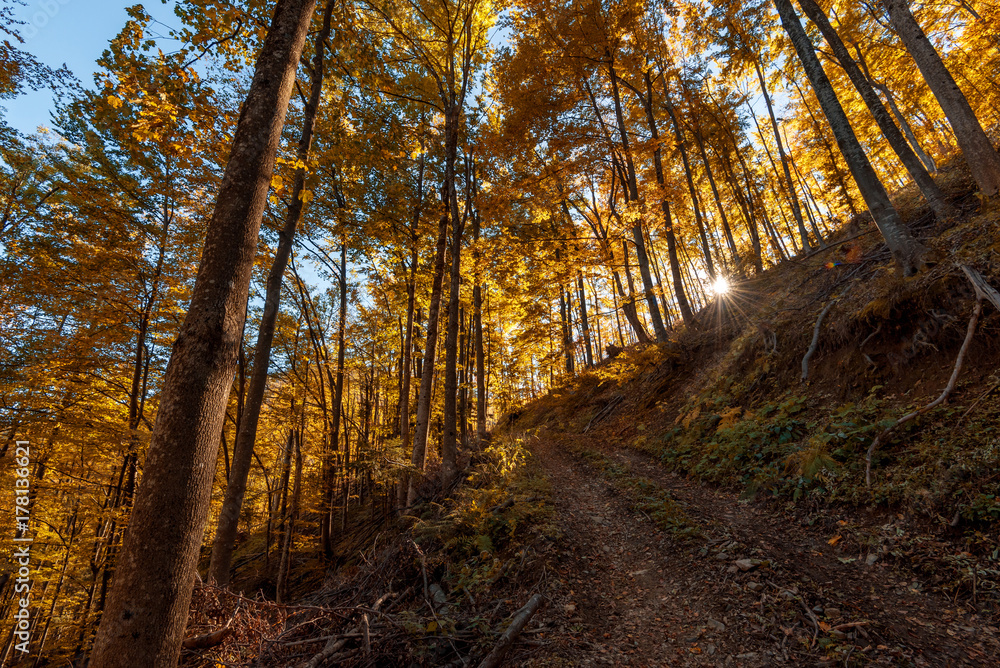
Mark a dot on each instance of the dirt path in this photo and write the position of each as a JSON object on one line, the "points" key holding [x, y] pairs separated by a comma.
{"points": [[756, 588]]}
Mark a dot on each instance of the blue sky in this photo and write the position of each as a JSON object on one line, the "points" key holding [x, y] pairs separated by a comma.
{"points": [[74, 32]]}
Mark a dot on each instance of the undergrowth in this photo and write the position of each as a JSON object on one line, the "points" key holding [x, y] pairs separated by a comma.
{"points": [[474, 539]]}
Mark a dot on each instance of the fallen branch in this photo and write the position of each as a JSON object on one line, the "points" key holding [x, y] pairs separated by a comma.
{"points": [[812, 618], [815, 340], [604, 412], [849, 625], [517, 623], [215, 637], [336, 643], [944, 395]]}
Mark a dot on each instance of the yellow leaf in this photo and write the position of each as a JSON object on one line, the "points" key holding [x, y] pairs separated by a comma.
{"points": [[276, 182], [114, 101], [305, 196]]}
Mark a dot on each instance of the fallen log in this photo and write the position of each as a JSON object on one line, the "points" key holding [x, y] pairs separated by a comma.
{"points": [[517, 623]]}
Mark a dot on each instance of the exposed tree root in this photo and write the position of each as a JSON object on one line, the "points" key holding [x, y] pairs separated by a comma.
{"points": [[944, 395], [815, 340]]}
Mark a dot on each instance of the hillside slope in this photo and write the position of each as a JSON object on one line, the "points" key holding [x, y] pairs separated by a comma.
{"points": [[697, 503]]}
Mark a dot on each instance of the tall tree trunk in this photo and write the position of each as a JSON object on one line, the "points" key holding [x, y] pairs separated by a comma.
{"points": [[337, 409], [730, 241], [463, 365], [668, 225], [449, 437], [906, 250], [422, 425], [632, 191], [982, 157], [588, 347], [144, 622], [411, 286], [477, 325], [246, 436], [890, 100], [932, 193], [567, 332], [682, 147], [792, 197], [281, 593]]}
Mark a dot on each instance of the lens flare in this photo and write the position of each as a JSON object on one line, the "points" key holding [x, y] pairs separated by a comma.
{"points": [[721, 286]]}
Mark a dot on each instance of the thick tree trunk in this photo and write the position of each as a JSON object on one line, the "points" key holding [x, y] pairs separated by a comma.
{"points": [[246, 436], [982, 157], [143, 624], [793, 199], [906, 250], [932, 193]]}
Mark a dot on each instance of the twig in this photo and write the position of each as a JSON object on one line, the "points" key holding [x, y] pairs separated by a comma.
{"points": [[812, 618], [976, 403], [869, 337], [815, 340], [517, 623], [333, 646], [944, 395]]}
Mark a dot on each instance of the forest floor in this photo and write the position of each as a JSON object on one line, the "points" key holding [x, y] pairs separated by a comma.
{"points": [[755, 585]]}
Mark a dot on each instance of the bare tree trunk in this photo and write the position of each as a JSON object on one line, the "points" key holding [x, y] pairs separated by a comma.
{"points": [[682, 301], [148, 606], [419, 457], [411, 287], [906, 250], [792, 197], [932, 193], [567, 332], [229, 515], [730, 241], [281, 593], [982, 157], [477, 324], [449, 437], [632, 191], [682, 147], [890, 100], [588, 348]]}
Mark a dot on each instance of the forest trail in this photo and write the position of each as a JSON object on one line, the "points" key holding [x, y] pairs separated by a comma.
{"points": [[626, 592]]}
